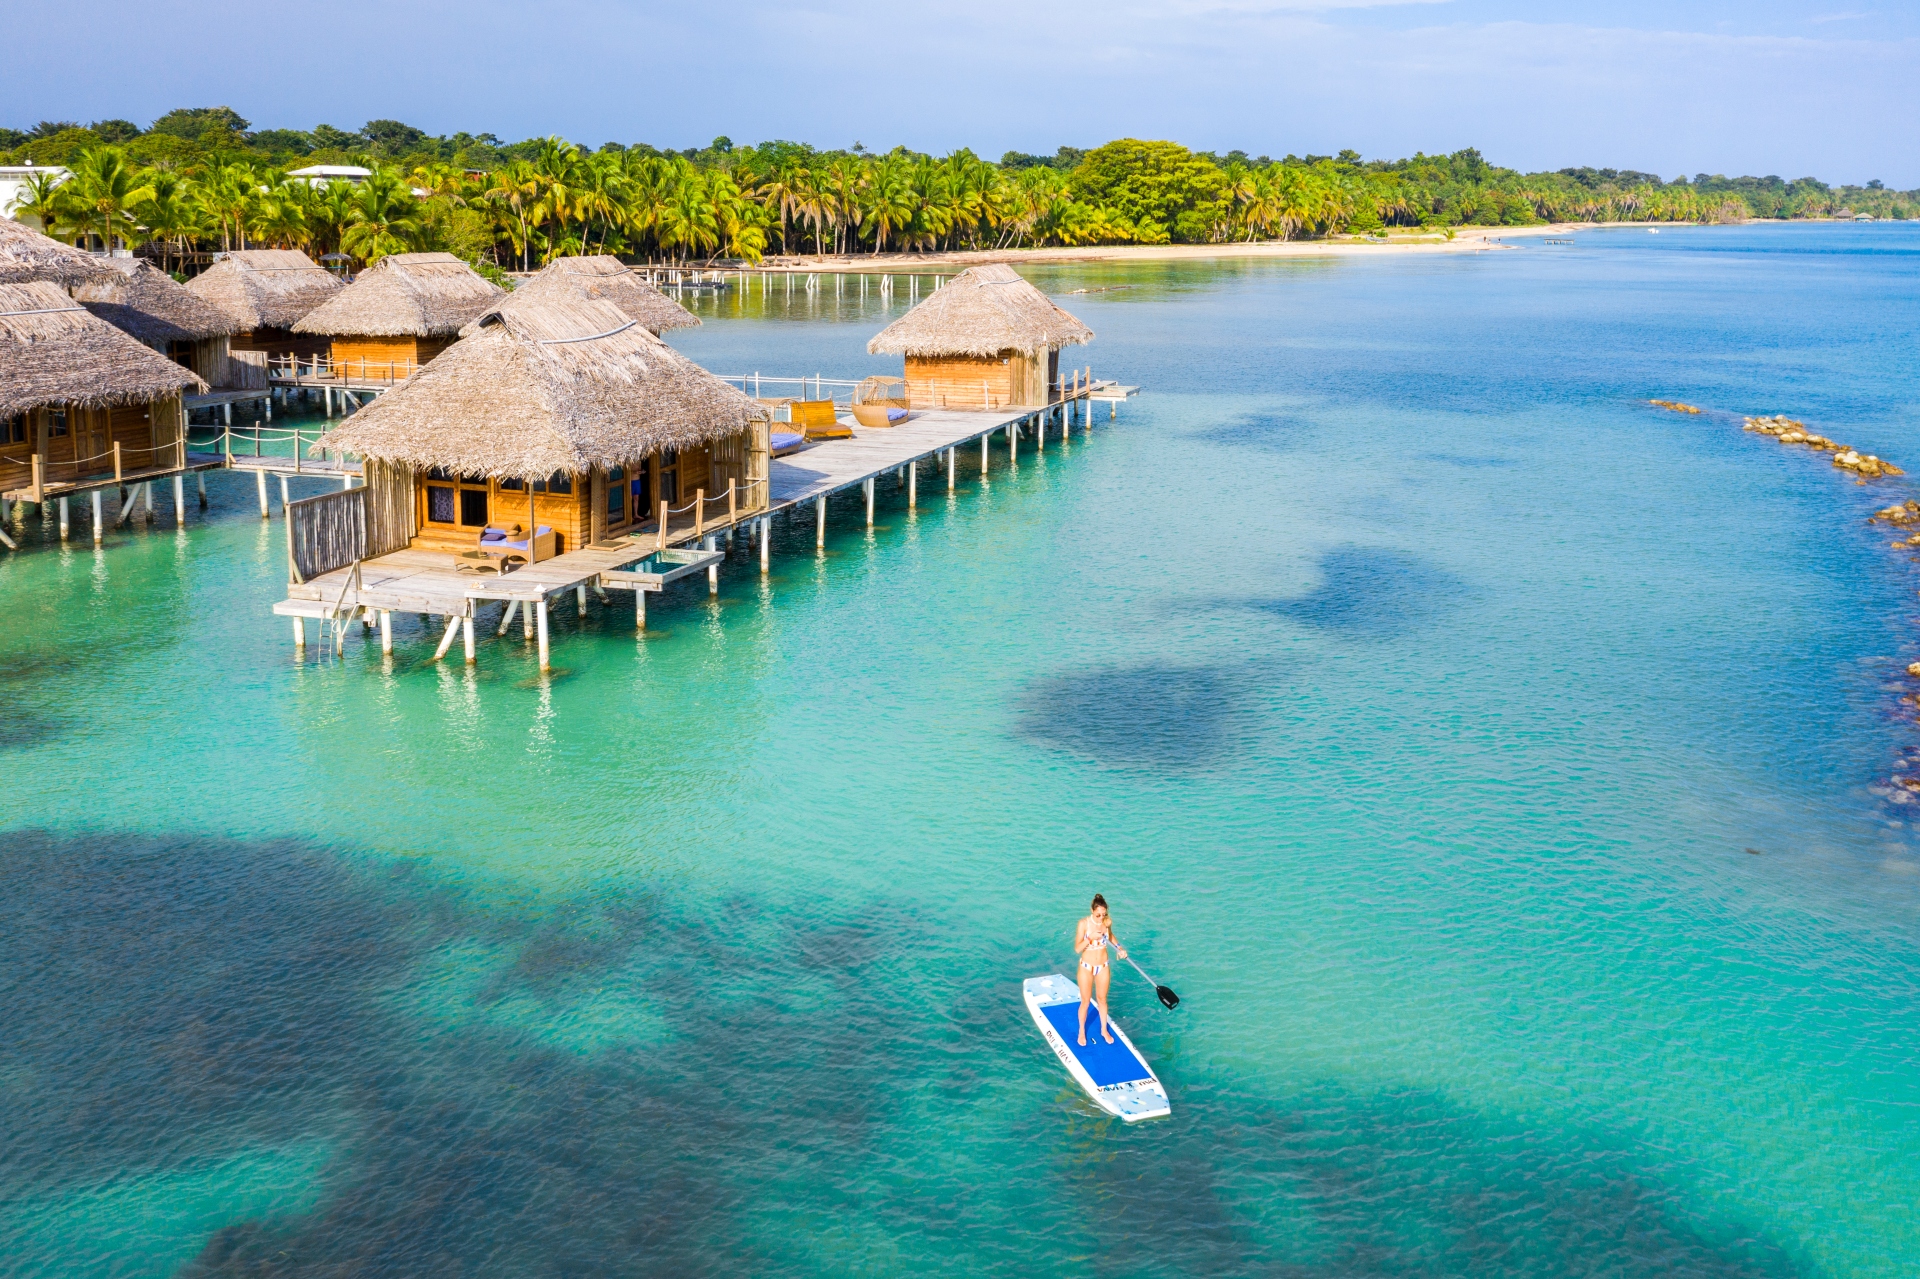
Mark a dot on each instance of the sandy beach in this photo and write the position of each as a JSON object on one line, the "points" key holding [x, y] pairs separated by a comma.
{"points": [[1465, 240]]}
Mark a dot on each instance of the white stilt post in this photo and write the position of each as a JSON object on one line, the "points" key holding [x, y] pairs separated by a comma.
{"points": [[506, 616], [983, 455], [299, 632], [63, 519], [99, 531], [866, 486], [1013, 443], [200, 482], [639, 609], [227, 410], [260, 477], [820, 521], [283, 495], [951, 452], [526, 619], [713, 570], [913, 484], [466, 637], [180, 501], [766, 536], [1042, 435], [580, 599], [386, 630], [540, 626]]}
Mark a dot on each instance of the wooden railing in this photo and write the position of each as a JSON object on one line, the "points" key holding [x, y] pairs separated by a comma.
{"points": [[325, 533]]}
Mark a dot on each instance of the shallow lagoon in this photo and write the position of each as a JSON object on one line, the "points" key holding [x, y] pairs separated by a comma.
{"points": [[1415, 692]]}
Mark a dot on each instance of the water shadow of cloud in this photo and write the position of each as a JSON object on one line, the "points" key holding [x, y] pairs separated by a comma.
{"points": [[1156, 715], [1274, 432], [1369, 593]]}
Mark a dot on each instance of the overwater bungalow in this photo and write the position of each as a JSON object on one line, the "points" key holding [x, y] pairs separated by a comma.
{"points": [[399, 314], [561, 415], [268, 291], [985, 340], [145, 303], [605, 278], [26, 255], [83, 406]]}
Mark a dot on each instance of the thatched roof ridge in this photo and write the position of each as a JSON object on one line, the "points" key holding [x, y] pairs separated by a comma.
{"points": [[981, 312], [53, 351], [266, 288], [144, 301], [603, 277], [555, 385], [406, 295], [26, 255]]}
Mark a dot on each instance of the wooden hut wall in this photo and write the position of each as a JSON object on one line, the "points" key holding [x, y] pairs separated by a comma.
{"points": [[391, 522], [74, 443], [279, 342], [960, 382], [374, 356]]}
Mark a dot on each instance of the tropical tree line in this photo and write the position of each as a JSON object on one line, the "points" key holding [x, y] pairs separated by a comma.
{"points": [[517, 207]]}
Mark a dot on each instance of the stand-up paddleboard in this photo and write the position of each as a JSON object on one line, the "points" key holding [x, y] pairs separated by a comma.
{"points": [[1114, 1074]]}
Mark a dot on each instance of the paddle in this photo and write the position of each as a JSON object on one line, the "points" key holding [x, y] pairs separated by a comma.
{"points": [[1166, 994]]}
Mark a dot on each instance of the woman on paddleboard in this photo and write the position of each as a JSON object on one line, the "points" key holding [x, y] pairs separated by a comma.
{"points": [[1090, 941]]}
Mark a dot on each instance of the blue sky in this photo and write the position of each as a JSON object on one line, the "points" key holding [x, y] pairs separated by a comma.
{"points": [[1678, 87]]}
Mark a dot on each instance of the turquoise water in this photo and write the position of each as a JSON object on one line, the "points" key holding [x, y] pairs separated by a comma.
{"points": [[1498, 767]]}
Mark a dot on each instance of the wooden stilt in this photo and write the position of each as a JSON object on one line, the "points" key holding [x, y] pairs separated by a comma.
{"points": [[820, 522], [983, 454], [260, 477], [200, 481], [180, 501], [913, 484], [99, 522], [952, 452], [580, 599], [866, 487], [284, 499], [466, 637], [639, 609], [299, 632], [63, 518], [446, 640], [506, 616], [386, 630], [1040, 436], [526, 620], [713, 571], [766, 537], [540, 626]]}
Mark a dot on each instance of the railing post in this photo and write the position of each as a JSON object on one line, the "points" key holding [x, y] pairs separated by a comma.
{"points": [[699, 512], [731, 518], [663, 524], [116, 460], [296, 450]]}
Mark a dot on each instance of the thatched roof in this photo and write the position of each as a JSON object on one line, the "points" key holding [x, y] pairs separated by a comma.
{"points": [[52, 351], [144, 301], [982, 312], [406, 295], [554, 385], [27, 255], [266, 288], [605, 278]]}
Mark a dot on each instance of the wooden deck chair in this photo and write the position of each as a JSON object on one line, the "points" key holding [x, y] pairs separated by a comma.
{"points": [[816, 419]]}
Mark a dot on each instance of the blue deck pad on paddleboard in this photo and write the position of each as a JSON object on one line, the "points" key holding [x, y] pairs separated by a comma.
{"points": [[1107, 1063]]}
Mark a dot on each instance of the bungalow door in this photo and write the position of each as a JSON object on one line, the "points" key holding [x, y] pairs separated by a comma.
{"points": [[93, 440], [454, 503]]}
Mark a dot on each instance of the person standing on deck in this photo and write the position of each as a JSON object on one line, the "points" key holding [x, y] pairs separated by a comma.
{"points": [[1091, 938]]}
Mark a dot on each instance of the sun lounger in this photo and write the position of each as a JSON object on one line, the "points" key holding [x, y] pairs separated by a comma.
{"points": [[817, 420], [879, 413], [783, 442]]}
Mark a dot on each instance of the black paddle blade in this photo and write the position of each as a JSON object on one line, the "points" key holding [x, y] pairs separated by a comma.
{"points": [[1167, 996]]}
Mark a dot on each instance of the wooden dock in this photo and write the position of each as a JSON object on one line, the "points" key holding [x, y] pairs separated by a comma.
{"points": [[437, 584]]}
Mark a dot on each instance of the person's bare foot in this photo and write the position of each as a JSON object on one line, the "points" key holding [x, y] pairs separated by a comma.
{"points": [[1083, 1037], [1104, 1035]]}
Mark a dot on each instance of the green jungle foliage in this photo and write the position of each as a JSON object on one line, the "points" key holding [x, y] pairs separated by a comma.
{"points": [[202, 179]]}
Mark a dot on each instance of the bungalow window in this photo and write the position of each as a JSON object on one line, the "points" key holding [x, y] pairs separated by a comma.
{"points": [[13, 430], [460, 500], [670, 476], [642, 487], [57, 423], [616, 496], [180, 353], [558, 482]]}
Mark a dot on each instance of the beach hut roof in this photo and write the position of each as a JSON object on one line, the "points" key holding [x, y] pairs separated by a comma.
{"points": [[53, 351], [27, 255], [606, 278], [406, 295], [982, 312], [560, 384], [144, 301], [266, 288]]}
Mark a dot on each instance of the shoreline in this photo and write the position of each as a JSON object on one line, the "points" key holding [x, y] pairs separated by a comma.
{"points": [[1465, 240]]}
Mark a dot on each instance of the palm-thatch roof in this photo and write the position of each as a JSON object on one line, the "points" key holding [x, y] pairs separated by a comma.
{"points": [[606, 278], [27, 255], [144, 301], [406, 295], [52, 351], [556, 385], [984, 311], [266, 288]]}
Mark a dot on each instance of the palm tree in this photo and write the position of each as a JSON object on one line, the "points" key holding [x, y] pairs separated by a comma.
{"points": [[385, 218], [227, 197], [687, 222], [169, 214], [41, 201], [890, 201], [513, 191], [102, 195]]}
